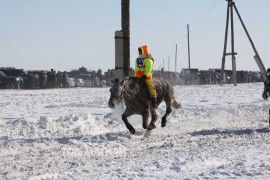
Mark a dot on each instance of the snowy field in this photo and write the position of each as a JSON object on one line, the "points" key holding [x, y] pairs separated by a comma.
{"points": [[220, 133]]}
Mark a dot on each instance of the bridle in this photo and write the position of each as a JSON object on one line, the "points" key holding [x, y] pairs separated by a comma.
{"points": [[120, 97]]}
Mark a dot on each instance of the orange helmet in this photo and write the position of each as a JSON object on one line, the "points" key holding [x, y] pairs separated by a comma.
{"points": [[143, 49]]}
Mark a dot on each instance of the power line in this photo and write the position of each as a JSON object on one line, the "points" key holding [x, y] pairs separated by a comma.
{"points": [[210, 26], [201, 20]]}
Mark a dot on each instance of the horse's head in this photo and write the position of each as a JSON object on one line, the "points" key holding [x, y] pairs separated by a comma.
{"points": [[116, 93]]}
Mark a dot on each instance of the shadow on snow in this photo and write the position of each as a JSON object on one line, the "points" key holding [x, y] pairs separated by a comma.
{"points": [[229, 132]]}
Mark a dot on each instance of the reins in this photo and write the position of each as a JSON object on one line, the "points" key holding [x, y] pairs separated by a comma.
{"points": [[126, 91]]}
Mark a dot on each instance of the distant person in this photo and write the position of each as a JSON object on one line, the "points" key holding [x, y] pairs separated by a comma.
{"points": [[99, 74], [65, 79], [43, 80], [96, 81], [50, 78], [143, 69], [59, 79]]}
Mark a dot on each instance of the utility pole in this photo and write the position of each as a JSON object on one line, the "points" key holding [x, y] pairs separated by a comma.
{"points": [[189, 55], [126, 34], [233, 53], [168, 63], [122, 43], [230, 7], [176, 59], [188, 47], [163, 65]]}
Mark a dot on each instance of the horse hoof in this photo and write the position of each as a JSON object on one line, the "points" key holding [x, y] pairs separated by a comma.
{"points": [[163, 124], [151, 126], [132, 131]]}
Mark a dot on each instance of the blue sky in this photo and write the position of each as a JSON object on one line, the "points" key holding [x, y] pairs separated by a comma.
{"points": [[68, 34]]}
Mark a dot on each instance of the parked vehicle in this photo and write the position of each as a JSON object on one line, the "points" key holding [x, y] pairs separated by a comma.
{"points": [[256, 76], [79, 82], [71, 82], [87, 79], [10, 82], [75, 82], [29, 81]]}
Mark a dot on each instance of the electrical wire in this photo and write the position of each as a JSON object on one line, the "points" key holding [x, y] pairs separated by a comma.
{"points": [[202, 27], [196, 25], [222, 16]]}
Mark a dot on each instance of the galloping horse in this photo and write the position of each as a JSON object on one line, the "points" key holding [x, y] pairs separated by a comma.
{"points": [[137, 100]]}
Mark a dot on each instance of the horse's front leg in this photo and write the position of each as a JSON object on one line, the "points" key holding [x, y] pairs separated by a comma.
{"points": [[125, 115], [145, 116], [265, 92], [153, 120], [265, 95]]}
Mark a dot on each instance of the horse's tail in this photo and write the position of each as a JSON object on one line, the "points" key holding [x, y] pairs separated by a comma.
{"points": [[175, 104]]}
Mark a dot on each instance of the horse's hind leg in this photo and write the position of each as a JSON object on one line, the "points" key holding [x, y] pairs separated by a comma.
{"points": [[168, 111], [125, 115], [153, 120]]}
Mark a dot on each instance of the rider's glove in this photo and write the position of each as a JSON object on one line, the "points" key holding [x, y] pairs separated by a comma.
{"points": [[143, 78]]}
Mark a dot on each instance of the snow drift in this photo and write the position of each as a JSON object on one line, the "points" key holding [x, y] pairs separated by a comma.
{"points": [[220, 132]]}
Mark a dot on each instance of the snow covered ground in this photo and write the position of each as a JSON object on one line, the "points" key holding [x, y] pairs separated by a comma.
{"points": [[221, 132]]}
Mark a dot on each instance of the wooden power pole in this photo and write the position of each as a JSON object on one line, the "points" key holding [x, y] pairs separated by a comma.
{"points": [[126, 35], [188, 47], [168, 63], [189, 55], [122, 44], [230, 7], [175, 59]]}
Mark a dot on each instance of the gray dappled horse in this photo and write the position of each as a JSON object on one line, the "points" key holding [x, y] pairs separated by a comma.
{"points": [[137, 100]]}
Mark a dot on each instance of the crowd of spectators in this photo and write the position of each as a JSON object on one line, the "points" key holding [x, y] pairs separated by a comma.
{"points": [[52, 79]]}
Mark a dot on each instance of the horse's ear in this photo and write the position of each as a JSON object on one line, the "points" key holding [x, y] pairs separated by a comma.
{"points": [[116, 80]]}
